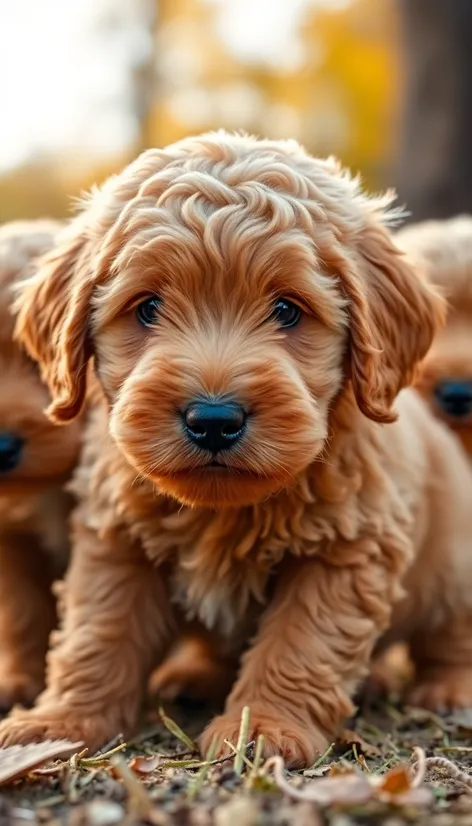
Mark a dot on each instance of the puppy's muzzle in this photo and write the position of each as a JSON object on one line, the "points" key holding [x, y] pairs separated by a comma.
{"points": [[455, 398], [214, 426], [11, 447]]}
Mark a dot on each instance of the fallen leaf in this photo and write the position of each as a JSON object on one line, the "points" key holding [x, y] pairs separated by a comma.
{"points": [[145, 765], [318, 772], [340, 787], [396, 781], [352, 738], [352, 786], [18, 761]]}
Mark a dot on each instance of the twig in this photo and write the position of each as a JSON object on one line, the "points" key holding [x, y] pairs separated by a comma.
{"points": [[100, 759], [139, 801], [423, 763], [110, 746], [242, 741], [277, 764], [235, 752], [419, 767]]}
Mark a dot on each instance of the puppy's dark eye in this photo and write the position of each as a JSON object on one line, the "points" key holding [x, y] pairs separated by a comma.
{"points": [[285, 313], [147, 312]]}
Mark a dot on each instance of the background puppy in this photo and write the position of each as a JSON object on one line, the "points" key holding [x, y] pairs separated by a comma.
{"points": [[444, 250], [247, 461], [35, 460]]}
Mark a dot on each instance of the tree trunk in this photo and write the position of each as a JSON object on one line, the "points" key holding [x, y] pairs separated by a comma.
{"points": [[435, 159]]}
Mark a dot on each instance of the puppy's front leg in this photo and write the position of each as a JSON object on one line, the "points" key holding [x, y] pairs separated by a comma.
{"points": [[313, 645], [116, 621]]}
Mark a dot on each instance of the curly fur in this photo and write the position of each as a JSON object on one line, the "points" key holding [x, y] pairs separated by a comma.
{"points": [[444, 250], [342, 516], [33, 508]]}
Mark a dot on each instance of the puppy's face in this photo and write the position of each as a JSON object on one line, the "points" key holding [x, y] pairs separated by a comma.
{"points": [[33, 453], [228, 289], [220, 375], [445, 380]]}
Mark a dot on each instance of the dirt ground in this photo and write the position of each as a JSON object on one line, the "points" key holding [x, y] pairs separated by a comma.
{"points": [[365, 778]]}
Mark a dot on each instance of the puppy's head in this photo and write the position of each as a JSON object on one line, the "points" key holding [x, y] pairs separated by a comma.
{"points": [[229, 289], [33, 453], [444, 250]]}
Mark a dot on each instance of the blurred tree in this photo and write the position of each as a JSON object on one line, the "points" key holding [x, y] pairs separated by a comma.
{"points": [[181, 77], [353, 84], [435, 164]]}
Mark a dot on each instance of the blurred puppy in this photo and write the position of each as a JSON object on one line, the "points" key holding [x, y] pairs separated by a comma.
{"points": [[444, 250], [249, 459], [35, 460]]}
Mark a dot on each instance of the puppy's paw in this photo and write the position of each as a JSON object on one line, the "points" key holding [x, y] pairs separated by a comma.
{"points": [[17, 688], [299, 746], [443, 690], [39, 724]]}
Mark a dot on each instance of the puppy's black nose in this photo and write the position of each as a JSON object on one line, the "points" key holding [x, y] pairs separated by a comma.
{"points": [[10, 451], [455, 397], [215, 426]]}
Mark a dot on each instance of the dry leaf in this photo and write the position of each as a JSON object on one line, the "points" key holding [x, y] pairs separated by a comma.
{"points": [[145, 765], [396, 781], [351, 738], [320, 771], [342, 787], [351, 787], [17, 761]]}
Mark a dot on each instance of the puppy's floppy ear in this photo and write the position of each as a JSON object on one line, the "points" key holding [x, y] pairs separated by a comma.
{"points": [[394, 315], [52, 317]]}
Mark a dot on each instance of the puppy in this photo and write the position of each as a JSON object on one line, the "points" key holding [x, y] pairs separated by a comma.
{"points": [[35, 460], [249, 458], [444, 250]]}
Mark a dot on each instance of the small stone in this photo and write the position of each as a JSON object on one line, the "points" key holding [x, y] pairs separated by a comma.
{"points": [[239, 810], [104, 813]]}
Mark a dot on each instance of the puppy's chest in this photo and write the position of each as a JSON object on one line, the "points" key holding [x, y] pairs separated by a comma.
{"points": [[215, 573]]}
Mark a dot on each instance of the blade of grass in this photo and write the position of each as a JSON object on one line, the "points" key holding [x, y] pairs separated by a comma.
{"points": [[323, 757], [197, 783], [176, 731], [242, 741], [258, 754]]}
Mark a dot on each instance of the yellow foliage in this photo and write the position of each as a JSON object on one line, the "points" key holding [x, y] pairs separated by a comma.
{"points": [[341, 99]]}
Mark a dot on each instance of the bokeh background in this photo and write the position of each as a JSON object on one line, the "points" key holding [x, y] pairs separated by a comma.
{"points": [[87, 84]]}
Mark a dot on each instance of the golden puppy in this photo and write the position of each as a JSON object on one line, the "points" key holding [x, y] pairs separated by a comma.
{"points": [[248, 460], [444, 250], [35, 460]]}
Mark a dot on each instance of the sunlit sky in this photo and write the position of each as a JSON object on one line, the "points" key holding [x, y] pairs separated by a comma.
{"points": [[64, 84]]}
